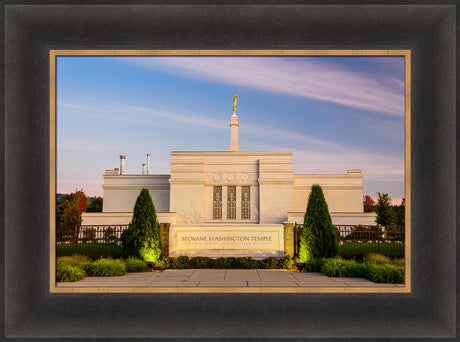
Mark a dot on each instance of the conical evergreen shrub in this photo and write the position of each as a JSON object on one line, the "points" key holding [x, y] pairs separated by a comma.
{"points": [[318, 237], [142, 238]]}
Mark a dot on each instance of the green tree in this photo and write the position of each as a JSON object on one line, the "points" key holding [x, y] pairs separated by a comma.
{"points": [[95, 206], [400, 212], [62, 203], [385, 214], [318, 238], [142, 238]]}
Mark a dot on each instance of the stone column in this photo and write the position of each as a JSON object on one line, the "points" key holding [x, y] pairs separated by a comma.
{"points": [[164, 235], [289, 238], [234, 146]]}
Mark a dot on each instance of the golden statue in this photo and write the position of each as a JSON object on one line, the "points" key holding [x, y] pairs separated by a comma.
{"points": [[234, 101]]}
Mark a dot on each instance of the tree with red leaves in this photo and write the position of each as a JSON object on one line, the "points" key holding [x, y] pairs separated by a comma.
{"points": [[368, 204], [72, 214]]}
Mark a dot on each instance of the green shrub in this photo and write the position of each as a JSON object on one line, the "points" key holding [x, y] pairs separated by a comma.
{"points": [[66, 272], [105, 268], [318, 238], [92, 250], [142, 238], [163, 263], [268, 263], [285, 262], [151, 249], [356, 250], [201, 262], [136, 265], [73, 260], [184, 262], [246, 263], [343, 268], [386, 273], [400, 262], [314, 265], [375, 269], [373, 258], [89, 268]]}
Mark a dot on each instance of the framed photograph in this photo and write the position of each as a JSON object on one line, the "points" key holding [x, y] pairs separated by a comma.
{"points": [[39, 37], [173, 98]]}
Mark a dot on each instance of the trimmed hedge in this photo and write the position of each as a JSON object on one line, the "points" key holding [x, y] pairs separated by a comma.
{"points": [[356, 250], [92, 250], [184, 262]]}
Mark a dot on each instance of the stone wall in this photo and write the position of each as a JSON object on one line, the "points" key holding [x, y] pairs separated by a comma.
{"points": [[121, 218], [121, 191], [343, 192]]}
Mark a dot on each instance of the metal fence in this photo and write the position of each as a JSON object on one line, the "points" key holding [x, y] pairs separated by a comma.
{"points": [[100, 240], [92, 240], [355, 241]]}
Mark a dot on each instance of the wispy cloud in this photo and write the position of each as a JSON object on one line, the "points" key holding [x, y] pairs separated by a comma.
{"points": [[340, 153], [297, 77], [124, 112], [311, 155], [84, 147]]}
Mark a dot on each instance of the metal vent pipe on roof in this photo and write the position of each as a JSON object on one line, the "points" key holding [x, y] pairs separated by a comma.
{"points": [[148, 163], [122, 164]]}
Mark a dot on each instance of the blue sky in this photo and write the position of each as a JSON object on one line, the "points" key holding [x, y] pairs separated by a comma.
{"points": [[335, 113]]}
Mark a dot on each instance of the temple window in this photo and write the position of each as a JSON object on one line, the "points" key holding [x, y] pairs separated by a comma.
{"points": [[245, 202], [231, 202], [217, 203]]}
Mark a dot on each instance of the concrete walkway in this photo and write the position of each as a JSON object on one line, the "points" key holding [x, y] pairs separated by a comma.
{"points": [[222, 278]]}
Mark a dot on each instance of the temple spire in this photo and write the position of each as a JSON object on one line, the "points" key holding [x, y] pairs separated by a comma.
{"points": [[234, 124]]}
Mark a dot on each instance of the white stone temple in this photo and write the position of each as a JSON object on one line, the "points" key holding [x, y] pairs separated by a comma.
{"points": [[231, 190]]}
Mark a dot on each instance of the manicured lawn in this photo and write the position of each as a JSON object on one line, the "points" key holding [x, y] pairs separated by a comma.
{"points": [[392, 250], [93, 250]]}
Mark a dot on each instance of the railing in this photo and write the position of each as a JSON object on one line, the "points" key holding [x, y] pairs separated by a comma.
{"points": [[91, 240], [355, 241], [100, 240]]}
